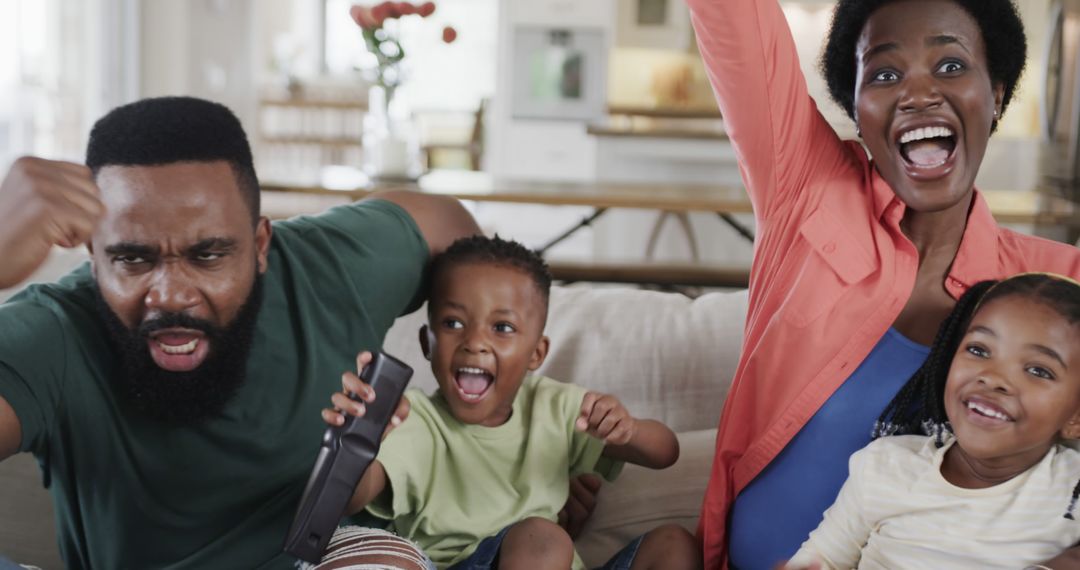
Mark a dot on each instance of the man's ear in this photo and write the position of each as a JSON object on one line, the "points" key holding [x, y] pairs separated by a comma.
{"points": [[263, 232], [93, 264], [1072, 428], [539, 353], [427, 341]]}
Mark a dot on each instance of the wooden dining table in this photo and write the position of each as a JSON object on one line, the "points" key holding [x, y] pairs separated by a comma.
{"points": [[1007, 206], [1030, 208]]}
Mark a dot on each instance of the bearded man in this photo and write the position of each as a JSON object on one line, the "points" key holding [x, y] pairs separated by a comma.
{"points": [[171, 388]]}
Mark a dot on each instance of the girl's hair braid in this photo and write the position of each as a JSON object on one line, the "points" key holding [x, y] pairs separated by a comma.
{"points": [[1072, 502]]}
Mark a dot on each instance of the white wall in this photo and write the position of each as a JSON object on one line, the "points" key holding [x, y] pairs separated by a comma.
{"points": [[203, 48]]}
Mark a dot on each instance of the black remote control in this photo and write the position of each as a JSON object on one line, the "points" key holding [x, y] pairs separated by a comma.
{"points": [[346, 453]]}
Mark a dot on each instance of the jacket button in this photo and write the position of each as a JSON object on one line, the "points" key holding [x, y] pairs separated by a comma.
{"points": [[829, 247]]}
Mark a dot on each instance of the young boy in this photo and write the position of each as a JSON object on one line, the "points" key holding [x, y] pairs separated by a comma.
{"points": [[478, 472]]}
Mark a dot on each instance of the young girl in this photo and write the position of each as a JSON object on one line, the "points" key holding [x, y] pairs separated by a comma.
{"points": [[991, 486]]}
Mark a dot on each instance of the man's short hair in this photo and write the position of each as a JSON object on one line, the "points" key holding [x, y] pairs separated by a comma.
{"points": [[167, 130]]}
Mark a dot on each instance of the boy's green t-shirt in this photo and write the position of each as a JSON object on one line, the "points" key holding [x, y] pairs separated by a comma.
{"points": [[453, 484], [131, 492]]}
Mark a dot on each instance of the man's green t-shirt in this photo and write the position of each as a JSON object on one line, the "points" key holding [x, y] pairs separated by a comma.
{"points": [[454, 484], [132, 492]]}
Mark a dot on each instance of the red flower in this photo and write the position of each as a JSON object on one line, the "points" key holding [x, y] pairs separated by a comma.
{"points": [[426, 9], [406, 8], [363, 17], [384, 11], [449, 34]]}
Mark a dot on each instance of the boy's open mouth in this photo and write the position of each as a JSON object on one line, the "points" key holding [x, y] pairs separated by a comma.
{"points": [[928, 151], [473, 383]]}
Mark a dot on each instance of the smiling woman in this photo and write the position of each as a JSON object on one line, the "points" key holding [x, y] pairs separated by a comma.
{"points": [[859, 258], [934, 59]]}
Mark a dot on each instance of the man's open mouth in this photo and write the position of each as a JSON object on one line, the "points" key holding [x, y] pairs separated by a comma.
{"points": [[473, 383], [928, 150], [178, 350]]}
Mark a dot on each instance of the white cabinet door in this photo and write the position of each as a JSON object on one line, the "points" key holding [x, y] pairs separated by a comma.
{"points": [[576, 13]]}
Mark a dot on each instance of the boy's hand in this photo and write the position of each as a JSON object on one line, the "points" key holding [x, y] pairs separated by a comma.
{"points": [[580, 504], [352, 384], [604, 417]]}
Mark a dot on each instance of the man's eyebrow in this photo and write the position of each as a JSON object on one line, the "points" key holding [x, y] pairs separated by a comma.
{"points": [[214, 243], [130, 248]]}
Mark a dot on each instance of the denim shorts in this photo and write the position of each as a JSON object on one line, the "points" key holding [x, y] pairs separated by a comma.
{"points": [[486, 555]]}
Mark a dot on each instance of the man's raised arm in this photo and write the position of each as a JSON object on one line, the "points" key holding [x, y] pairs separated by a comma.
{"points": [[42, 203], [441, 219]]}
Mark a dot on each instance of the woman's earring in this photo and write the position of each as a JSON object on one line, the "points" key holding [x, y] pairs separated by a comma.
{"points": [[858, 131], [997, 113]]}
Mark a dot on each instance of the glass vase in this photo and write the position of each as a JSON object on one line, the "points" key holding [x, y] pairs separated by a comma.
{"points": [[390, 141]]}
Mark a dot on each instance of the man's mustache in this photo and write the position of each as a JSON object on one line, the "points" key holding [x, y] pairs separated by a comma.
{"points": [[176, 320]]}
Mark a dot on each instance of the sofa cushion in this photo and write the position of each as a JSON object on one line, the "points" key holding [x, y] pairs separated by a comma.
{"points": [[642, 499]]}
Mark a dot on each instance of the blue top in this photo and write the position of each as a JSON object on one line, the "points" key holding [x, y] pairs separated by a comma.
{"points": [[776, 512]]}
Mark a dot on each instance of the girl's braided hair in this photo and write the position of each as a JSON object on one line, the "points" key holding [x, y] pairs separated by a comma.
{"points": [[919, 407]]}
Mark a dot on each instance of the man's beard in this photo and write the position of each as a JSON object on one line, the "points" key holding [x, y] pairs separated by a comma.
{"points": [[183, 397]]}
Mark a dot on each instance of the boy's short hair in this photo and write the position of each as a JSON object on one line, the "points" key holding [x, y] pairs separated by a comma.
{"points": [[167, 130], [496, 251]]}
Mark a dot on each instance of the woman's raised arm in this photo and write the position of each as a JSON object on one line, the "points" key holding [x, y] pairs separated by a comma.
{"points": [[781, 139]]}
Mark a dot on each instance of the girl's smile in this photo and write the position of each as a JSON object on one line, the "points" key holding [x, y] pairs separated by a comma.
{"points": [[1013, 387]]}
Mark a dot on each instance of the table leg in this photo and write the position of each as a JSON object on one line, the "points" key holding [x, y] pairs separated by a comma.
{"points": [[586, 221], [731, 221], [683, 218]]}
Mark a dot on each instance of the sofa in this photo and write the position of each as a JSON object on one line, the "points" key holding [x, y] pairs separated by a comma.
{"points": [[664, 355]]}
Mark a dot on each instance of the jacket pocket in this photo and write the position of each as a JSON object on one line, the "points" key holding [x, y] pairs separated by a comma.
{"points": [[836, 260]]}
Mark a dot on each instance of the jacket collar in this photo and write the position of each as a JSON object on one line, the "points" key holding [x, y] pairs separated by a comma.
{"points": [[976, 260]]}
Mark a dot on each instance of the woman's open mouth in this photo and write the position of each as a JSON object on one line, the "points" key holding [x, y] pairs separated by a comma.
{"points": [[928, 152], [473, 383]]}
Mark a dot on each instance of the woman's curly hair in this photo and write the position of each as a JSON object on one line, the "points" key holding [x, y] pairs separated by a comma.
{"points": [[998, 20]]}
